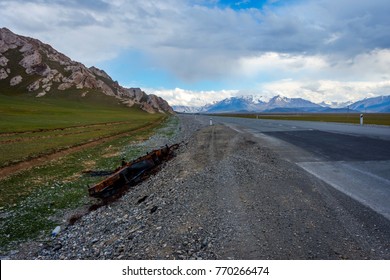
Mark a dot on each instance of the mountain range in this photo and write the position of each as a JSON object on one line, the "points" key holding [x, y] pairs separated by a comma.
{"points": [[30, 67], [280, 104]]}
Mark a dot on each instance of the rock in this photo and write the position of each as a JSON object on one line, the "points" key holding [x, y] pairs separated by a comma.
{"points": [[153, 209], [3, 74], [57, 247], [65, 86], [34, 86], [16, 80], [31, 60], [56, 231], [99, 72], [43, 93], [142, 199], [27, 48], [3, 61]]}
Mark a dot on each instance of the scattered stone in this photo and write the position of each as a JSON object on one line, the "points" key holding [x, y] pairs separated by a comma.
{"points": [[154, 209], [56, 231], [43, 93], [57, 247], [3, 61], [142, 199], [34, 86], [15, 80], [3, 74]]}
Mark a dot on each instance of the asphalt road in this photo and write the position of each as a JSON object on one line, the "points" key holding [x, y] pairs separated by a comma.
{"points": [[351, 158]]}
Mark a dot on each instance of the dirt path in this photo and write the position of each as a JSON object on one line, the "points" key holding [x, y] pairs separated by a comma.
{"points": [[40, 160], [60, 129]]}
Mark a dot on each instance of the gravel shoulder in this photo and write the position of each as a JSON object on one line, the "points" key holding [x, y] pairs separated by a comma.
{"points": [[226, 195]]}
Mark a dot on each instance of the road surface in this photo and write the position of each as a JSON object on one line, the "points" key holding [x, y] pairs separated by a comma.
{"points": [[353, 159]]}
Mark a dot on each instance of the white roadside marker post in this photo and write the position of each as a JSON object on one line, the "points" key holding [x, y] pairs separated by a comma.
{"points": [[211, 121], [361, 119]]}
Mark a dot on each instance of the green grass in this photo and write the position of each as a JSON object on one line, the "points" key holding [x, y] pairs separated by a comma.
{"points": [[20, 114], [33, 201], [354, 118], [30, 127]]}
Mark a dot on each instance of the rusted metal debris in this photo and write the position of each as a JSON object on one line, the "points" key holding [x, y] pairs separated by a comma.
{"points": [[131, 173]]}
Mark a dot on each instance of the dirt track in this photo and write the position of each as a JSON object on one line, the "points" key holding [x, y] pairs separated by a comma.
{"points": [[43, 159]]}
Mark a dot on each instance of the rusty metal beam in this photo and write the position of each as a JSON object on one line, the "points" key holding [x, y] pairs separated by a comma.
{"points": [[131, 173]]}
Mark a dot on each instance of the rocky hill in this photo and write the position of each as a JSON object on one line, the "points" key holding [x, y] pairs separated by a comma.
{"points": [[27, 64]]}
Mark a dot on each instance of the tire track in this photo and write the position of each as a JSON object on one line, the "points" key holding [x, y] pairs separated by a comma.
{"points": [[43, 159]]}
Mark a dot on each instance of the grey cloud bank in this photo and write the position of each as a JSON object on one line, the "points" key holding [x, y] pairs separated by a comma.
{"points": [[304, 41]]}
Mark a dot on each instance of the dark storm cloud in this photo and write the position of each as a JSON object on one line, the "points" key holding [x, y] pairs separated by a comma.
{"points": [[204, 38]]}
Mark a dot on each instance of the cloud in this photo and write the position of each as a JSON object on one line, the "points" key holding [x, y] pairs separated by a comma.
{"points": [[372, 66], [280, 64], [314, 90], [326, 90], [180, 96], [332, 42], [301, 27]]}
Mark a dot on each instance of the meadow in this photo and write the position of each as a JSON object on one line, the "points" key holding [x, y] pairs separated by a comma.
{"points": [[353, 118], [34, 200], [32, 127]]}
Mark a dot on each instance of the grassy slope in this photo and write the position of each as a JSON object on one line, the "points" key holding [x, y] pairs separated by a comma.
{"points": [[19, 113], [31, 126]]}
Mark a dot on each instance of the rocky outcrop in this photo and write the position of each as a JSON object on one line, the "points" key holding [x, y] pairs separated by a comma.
{"points": [[53, 71]]}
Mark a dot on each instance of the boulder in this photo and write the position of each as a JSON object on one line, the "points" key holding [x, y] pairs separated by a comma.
{"points": [[3, 74], [15, 80], [34, 86], [3, 61]]}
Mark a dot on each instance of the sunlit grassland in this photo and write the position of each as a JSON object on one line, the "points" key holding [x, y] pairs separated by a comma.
{"points": [[31, 127]]}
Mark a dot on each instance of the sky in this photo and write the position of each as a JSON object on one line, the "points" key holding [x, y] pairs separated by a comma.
{"points": [[193, 52]]}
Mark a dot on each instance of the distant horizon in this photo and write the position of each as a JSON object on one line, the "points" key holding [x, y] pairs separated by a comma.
{"points": [[194, 52], [267, 99]]}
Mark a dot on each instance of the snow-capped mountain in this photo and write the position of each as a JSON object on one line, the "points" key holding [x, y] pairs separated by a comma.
{"points": [[255, 104], [284, 104], [237, 104], [380, 104]]}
